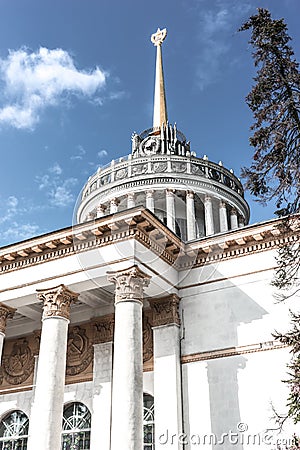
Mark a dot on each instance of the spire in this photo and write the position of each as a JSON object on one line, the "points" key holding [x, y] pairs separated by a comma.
{"points": [[160, 108]]}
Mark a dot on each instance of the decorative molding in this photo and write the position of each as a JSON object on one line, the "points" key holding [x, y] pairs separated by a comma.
{"points": [[165, 310], [57, 301], [129, 284], [6, 312], [79, 351], [232, 351], [147, 337], [18, 364]]}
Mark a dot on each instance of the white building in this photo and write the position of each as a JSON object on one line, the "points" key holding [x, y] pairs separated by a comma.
{"points": [[155, 312]]}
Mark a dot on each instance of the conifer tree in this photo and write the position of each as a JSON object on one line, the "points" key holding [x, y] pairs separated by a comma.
{"points": [[275, 171], [275, 102]]}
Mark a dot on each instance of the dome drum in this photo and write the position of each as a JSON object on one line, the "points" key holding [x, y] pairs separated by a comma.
{"points": [[194, 197]]}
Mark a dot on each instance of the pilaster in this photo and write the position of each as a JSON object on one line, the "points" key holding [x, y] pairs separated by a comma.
{"points": [[167, 370]]}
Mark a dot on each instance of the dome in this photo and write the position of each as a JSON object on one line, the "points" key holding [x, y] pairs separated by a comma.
{"points": [[193, 196]]}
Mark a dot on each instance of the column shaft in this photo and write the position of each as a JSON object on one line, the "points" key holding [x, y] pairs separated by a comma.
{"points": [[114, 206], [47, 409], [127, 393], [150, 200], [45, 425], [223, 216], [170, 207], [209, 218], [100, 429], [130, 200], [190, 216], [233, 219]]}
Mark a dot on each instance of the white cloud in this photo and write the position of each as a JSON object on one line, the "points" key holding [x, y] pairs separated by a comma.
{"points": [[9, 208], [62, 195], [79, 154], [56, 169], [18, 232], [58, 190], [102, 153], [11, 229], [33, 81]]}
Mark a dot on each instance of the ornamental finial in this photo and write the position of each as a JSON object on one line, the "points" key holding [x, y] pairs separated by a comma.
{"points": [[158, 37]]}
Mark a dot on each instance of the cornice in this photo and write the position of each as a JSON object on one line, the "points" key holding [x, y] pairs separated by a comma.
{"points": [[141, 225], [137, 223], [232, 351], [248, 240]]}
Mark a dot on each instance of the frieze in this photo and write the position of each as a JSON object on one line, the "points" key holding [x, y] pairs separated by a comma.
{"points": [[179, 167], [18, 365], [122, 173], [197, 169], [79, 351], [147, 337], [139, 169], [159, 167]]}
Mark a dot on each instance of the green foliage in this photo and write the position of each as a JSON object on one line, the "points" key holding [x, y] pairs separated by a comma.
{"points": [[275, 102], [292, 338], [275, 171]]}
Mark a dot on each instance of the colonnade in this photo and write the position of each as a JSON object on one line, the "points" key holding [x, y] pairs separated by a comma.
{"points": [[124, 408], [214, 221]]}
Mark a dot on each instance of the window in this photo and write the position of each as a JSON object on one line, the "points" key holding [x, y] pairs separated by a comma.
{"points": [[148, 422], [76, 427], [14, 431]]}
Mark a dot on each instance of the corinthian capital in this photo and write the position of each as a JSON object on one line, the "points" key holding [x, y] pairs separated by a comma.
{"points": [[129, 284], [165, 310], [6, 312], [57, 301]]}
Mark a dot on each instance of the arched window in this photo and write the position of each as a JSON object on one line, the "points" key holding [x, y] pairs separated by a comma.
{"points": [[148, 422], [76, 427], [14, 431]]}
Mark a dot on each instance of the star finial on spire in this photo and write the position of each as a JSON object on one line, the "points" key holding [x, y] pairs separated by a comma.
{"points": [[158, 37]]}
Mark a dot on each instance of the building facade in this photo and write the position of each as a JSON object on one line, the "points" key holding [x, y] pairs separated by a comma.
{"points": [[148, 324]]}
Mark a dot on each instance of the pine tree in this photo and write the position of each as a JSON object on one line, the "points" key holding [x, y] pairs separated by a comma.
{"points": [[275, 171], [275, 102]]}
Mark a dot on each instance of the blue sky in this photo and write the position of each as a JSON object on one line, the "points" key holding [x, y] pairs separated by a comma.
{"points": [[77, 79]]}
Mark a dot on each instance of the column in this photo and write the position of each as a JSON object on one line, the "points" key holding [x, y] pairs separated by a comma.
{"points": [[102, 379], [130, 200], [241, 221], [100, 210], [233, 219], [150, 200], [209, 218], [127, 392], [167, 372], [47, 409], [190, 216], [223, 216], [114, 205], [6, 312], [170, 207]]}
